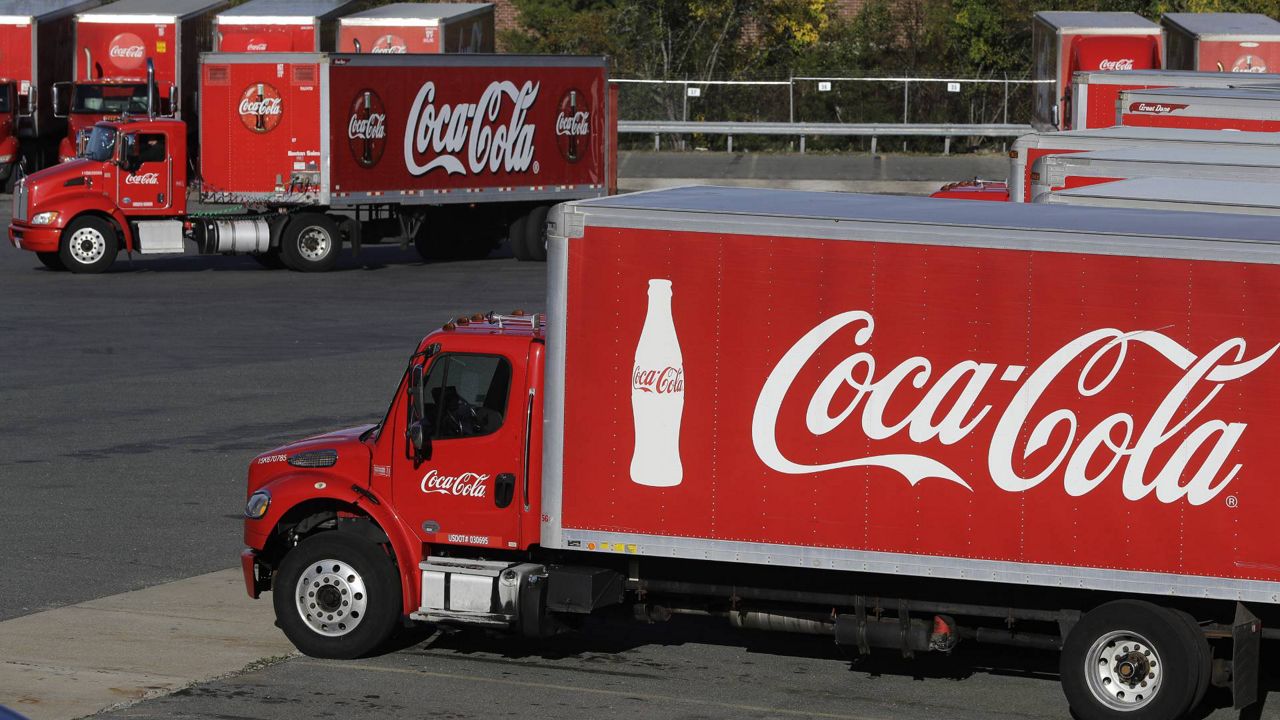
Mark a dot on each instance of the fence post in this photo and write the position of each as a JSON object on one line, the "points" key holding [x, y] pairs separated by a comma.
{"points": [[873, 145], [657, 142], [906, 88], [946, 145], [791, 99], [801, 144], [730, 143], [1006, 99]]}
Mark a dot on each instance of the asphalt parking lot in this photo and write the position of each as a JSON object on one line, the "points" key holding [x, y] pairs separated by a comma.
{"points": [[131, 402]]}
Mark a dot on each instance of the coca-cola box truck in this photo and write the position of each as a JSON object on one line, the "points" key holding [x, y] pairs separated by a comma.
{"points": [[1065, 42], [1028, 149], [34, 37], [1244, 165], [1198, 195], [112, 46], [419, 28], [1096, 93], [1034, 426], [1254, 108], [1222, 42], [439, 150], [282, 25]]}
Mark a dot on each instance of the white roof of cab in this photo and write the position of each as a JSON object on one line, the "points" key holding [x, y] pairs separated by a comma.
{"points": [[1081, 20], [1221, 25], [415, 14]]}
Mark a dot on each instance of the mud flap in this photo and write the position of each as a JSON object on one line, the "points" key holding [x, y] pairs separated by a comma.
{"points": [[1246, 650]]}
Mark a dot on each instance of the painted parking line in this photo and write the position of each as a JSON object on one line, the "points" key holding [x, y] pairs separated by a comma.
{"points": [[77, 660]]}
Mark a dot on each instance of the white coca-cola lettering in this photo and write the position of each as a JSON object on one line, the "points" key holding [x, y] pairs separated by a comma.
{"points": [[265, 106], [661, 380], [389, 50], [373, 127], [467, 484], [256, 47], [1121, 437], [143, 179], [575, 124], [131, 51], [475, 131], [1120, 64]]}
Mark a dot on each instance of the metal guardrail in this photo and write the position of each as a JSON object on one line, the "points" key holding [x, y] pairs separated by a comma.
{"points": [[801, 130]]}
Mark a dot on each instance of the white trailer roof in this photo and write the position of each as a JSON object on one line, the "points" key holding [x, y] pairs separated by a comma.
{"points": [[1110, 22], [21, 12], [283, 12], [1267, 92], [414, 14], [148, 11], [1186, 195], [1225, 26], [1072, 138], [1173, 78]]}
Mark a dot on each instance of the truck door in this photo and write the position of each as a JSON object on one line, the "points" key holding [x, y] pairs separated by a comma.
{"points": [[146, 175], [467, 491]]}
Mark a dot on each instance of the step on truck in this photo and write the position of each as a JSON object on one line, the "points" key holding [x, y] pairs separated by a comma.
{"points": [[282, 25], [896, 422], [303, 153]]}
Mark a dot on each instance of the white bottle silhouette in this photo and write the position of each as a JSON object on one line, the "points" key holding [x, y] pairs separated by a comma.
{"points": [[657, 394]]}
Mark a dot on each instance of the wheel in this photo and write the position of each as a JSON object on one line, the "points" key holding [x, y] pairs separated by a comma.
{"points": [[1201, 654], [516, 236], [51, 261], [310, 243], [535, 234], [89, 245], [269, 259], [337, 595], [1129, 659]]}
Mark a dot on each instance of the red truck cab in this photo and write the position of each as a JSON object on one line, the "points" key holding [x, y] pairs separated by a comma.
{"points": [[88, 103], [81, 213], [454, 462]]}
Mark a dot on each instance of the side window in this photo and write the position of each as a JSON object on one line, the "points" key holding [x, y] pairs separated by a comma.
{"points": [[466, 395], [151, 148]]}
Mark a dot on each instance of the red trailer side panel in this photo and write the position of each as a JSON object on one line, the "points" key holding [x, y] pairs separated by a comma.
{"points": [[1239, 57], [119, 51], [388, 40], [15, 53], [266, 37]]}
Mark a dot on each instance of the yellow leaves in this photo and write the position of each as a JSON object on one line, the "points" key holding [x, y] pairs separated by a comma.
{"points": [[801, 22]]}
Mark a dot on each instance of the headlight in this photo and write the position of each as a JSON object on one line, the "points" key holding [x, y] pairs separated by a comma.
{"points": [[44, 218], [257, 505], [6, 158]]}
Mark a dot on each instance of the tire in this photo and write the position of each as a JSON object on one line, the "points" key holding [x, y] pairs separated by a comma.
{"points": [[516, 236], [310, 243], [1201, 653], [269, 259], [51, 261], [340, 572], [1134, 639], [89, 245], [535, 241]]}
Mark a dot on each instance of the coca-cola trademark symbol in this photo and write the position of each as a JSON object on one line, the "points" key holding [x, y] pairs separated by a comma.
{"points": [[1232, 501], [573, 125], [367, 128], [261, 108]]}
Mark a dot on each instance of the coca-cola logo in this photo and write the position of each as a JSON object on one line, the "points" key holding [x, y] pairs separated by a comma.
{"points": [[390, 45], [367, 128], [1120, 64], [149, 178], [660, 381], [1155, 108], [1249, 64], [1192, 445], [467, 484], [573, 125], [261, 108], [127, 51], [488, 135], [256, 46]]}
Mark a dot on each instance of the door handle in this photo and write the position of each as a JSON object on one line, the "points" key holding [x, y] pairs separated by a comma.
{"points": [[504, 489]]}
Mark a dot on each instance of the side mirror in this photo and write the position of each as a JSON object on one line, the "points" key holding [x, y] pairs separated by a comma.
{"points": [[27, 102], [416, 432], [82, 142], [61, 99], [130, 154], [416, 399]]}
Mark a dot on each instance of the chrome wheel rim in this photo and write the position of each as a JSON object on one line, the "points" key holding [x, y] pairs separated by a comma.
{"points": [[314, 243], [87, 246], [1123, 670], [331, 597]]}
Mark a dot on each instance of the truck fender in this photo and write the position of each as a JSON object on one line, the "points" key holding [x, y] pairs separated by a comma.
{"points": [[319, 489], [9, 150], [113, 214]]}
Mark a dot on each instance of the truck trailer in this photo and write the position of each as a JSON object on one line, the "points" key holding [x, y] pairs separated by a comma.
{"points": [[112, 45], [34, 35], [1066, 42], [897, 422], [282, 25], [302, 153], [1221, 42], [1096, 92], [419, 28], [1175, 194], [1244, 166], [1254, 108]]}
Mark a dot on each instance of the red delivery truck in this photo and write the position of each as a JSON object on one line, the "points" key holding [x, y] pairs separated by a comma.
{"points": [[282, 25], [943, 422], [1254, 108], [1030, 148], [1066, 42], [419, 28], [1178, 194], [112, 45], [296, 146], [1096, 93], [1245, 165], [34, 37], [1225, 42]]}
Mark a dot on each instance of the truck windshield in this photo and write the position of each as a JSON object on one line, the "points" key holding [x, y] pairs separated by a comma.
{"points": [[102, 144], [109, 99]]}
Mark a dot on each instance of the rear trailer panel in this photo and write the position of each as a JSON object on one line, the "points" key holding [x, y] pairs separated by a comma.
{"points": [[1095, 92], [940, 406]]}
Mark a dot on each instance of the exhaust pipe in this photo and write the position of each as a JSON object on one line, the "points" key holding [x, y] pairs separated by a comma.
{"points": [[357, 44], [151, 89], [88, 64]]}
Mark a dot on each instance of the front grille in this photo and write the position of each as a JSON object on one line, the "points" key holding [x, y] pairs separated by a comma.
{"points": [[20, 200]]}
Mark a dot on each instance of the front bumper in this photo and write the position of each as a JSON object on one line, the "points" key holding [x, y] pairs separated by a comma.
{"points": [[249, 564], [36, 238]]}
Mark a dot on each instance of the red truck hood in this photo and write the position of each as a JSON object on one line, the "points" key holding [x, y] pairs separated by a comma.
{"points": [[352, 462], [44, 185]]}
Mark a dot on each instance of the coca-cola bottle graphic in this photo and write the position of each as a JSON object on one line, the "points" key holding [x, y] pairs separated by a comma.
{"points": [[261, 122], [366, 157], [573, 142], [657, 394]]}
